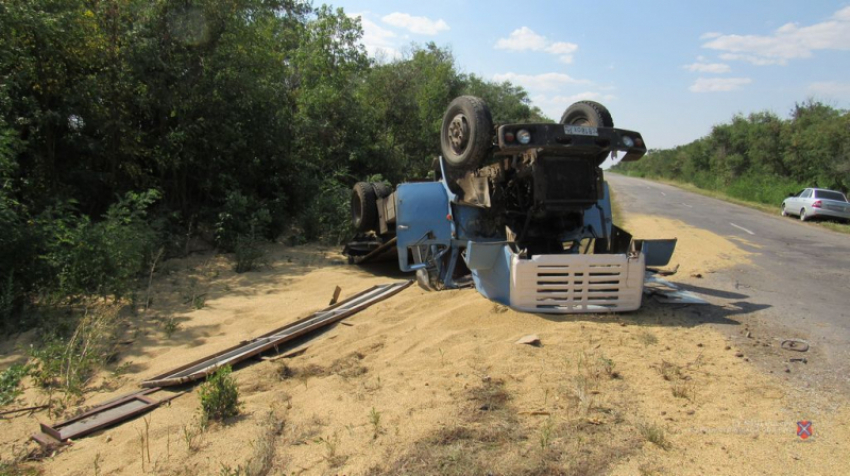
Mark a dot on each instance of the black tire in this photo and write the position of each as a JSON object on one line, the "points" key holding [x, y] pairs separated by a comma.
{"points": [[382, 190], [465, 136], [587, 113], [364, 207]]}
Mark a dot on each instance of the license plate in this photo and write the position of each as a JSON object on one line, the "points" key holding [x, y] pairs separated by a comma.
{"points": [[581, 130]]}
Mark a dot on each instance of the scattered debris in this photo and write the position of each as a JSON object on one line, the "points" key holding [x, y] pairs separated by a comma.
{"points": [[25, 409], [335, 297], [100, 417], [696, 275], [797, 345], [803, 360], [664, 272], [531, 339], [201, 368], [677, 297], [289, 355]]}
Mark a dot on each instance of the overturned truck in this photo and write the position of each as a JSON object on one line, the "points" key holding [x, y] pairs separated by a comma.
{"points": [[521, 211]]}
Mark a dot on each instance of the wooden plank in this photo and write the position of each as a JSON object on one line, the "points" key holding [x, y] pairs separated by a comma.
{"points": [[205, 366]]}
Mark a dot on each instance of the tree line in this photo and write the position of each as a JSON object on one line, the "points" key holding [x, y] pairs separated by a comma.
{"points": [[129, 126], [761, 157]]}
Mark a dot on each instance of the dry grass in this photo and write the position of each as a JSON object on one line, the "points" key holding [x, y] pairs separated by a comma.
{"points": [[654, 434], [491, 437], [263, 447]]}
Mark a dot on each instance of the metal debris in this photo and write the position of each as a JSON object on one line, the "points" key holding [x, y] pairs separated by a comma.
{"points": [[531, 339], [100, 417], [797, 345], [201, 368], [677, 297]]}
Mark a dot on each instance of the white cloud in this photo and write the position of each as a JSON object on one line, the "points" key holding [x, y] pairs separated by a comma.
{"points": [[717, 68], [539, 82], [377, 40], [788, 42], [756, 60], [710, 35], [832, 89], [714, 85], [525, 39], [418, 25]]}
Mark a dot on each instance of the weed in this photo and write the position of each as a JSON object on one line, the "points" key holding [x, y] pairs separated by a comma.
{"points": [[654, 434], [226, 470], [145, 443], [608, 367], [122, 369], [264, 446], [69, 364], [331, 444], [170, 325], [546, 433], [683, 390], [670, 371], [9, 381], [442, 357], [647, 338], [192, 437], [97, 464], [219, 396], [375, 421]]}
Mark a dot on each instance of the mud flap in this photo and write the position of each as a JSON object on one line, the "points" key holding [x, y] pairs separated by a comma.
{"points": [[657, 252]]}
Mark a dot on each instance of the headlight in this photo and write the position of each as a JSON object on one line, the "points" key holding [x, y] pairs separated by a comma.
{"points": [[523, 137], [628, 142]]}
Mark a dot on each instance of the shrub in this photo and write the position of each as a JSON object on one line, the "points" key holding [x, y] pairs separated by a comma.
{"points": [[98, 258], [219, 396], [69, 362], [9, 380], [328, 217], [249, 255], [240, 216]]}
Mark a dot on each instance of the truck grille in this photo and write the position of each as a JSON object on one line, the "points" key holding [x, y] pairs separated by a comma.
{"points": [[565, 283]]}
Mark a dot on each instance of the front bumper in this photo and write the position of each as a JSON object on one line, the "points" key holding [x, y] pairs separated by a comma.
{"points": [[564, 284]]}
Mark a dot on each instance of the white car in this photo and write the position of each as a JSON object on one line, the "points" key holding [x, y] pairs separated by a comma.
{"points": [[817, 202]]}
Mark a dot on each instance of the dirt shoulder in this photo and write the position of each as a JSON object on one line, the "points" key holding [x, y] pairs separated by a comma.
{"points": [[434, 383]]}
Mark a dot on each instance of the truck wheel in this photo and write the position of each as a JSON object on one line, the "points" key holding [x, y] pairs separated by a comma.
{"points": [[465, 136], [382, 190], [364, 207], [587, 113]]}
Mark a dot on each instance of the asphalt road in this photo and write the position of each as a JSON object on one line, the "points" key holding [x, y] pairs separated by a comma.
{"points": [[798, 284]]}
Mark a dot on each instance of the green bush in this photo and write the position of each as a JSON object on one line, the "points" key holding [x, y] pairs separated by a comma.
{"points": [[219, 396], [98, 258], [328, 217], [240, 215], [9, 381], [71, 352], [249, 255]]}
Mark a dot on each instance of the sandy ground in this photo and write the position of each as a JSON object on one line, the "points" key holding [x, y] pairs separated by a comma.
{"points": [[433, 383]]}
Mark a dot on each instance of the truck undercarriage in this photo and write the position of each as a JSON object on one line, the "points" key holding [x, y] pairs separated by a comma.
{"points": [[522, 211]]}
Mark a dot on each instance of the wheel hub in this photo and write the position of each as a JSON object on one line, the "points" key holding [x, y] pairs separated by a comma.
{"points": [[459, 133]]}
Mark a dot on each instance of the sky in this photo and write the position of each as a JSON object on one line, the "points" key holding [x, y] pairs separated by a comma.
{"points": [[668, 69]]}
